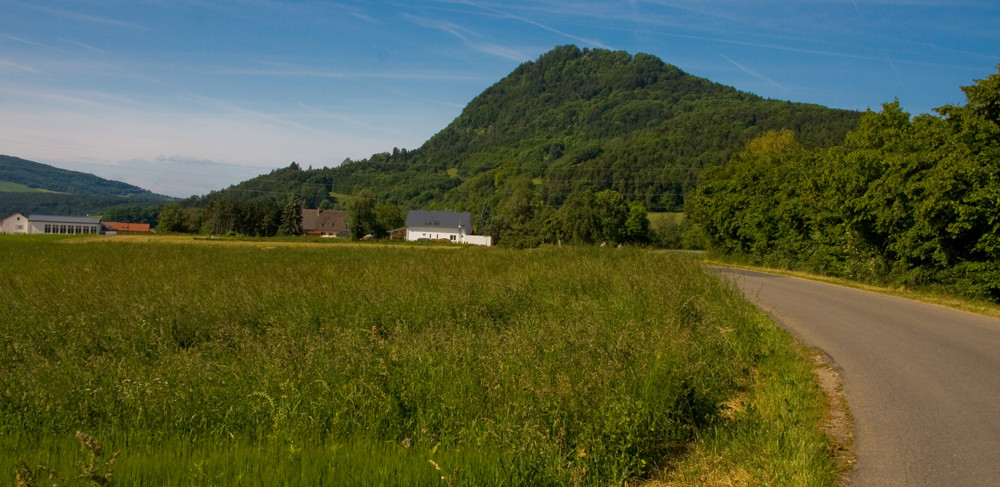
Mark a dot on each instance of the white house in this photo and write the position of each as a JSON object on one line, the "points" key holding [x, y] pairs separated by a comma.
{"points": [[15, 223], [443, 225], [65, 225]]}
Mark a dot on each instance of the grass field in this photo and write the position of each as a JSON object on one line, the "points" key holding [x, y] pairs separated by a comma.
{"points": [[265, 364], [658, 220], [9, 187]]}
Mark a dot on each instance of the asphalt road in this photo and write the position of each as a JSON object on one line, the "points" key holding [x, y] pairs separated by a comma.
{"points": [[922, 381]]}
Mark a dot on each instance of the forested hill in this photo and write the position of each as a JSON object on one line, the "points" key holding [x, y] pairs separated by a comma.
{"points": [[575, 119], [31, 187], [35, 175]]}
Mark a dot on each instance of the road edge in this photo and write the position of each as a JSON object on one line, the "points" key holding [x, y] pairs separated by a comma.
{"points": [[837, 423]]}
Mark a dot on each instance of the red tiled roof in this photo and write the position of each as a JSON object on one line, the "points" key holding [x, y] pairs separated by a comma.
{"points": [[125, 227]]}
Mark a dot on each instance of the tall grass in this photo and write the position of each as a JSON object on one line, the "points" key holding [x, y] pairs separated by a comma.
{"points": [[283, 365]]}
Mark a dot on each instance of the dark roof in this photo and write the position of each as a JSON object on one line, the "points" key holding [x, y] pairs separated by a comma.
{"points": [[64, 219], [330, 221], [444, 219]]}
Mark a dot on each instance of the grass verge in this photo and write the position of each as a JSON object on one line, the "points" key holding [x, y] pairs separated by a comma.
{"points": [[924, 295]]}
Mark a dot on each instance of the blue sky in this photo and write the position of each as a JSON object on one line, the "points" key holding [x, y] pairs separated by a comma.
{"points": [[187, 96]]}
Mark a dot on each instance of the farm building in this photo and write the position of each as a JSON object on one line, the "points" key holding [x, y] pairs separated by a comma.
{"points": [[325, 223], [66, 225], [15, 223], [443, 225], [122, 227]]}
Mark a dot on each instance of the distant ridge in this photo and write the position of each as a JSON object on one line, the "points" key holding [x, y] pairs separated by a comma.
{"points": [[43, 176], [32, 187]]}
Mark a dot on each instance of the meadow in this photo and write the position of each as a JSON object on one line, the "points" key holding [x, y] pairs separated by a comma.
{"points": [[281, 364]]}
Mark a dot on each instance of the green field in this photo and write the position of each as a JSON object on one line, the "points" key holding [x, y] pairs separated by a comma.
{"points": [[264, 364], [658, 220], [9, 187]]}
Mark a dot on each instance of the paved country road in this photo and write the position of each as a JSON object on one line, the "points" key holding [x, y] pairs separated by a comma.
{"points": [[922, 381]]}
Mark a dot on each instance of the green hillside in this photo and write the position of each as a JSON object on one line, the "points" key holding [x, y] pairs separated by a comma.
{"points": [[42, 176], [31, 187], [574, 119]]}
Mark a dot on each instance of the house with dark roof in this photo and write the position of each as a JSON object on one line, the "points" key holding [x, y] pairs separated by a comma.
{"points": [[325, 223], [443, 225]]}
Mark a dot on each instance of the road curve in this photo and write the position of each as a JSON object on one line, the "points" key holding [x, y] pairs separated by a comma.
{"points": [[922, 381]]}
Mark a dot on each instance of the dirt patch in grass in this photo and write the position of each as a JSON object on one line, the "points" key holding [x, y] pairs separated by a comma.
{"points": [[838, 423]]}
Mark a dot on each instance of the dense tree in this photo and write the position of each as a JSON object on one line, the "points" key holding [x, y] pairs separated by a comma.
{"points": [[912, 200], [637, 224], [132, 214], [387, 217], [291, 217], [576, 220], [259, 217], [171, 219], [612, 214], [362, 217], [587, 218]]}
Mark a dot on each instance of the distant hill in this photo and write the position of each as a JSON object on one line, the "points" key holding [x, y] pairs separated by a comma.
{"points": [[574, 119], [31, 187]]}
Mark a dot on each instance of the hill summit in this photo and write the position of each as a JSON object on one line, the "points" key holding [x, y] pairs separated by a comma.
{"points": [[574, 119]]}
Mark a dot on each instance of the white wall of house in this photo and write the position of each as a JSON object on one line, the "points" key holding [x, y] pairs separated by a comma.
{"points": [[16, 223], [433, 233], [456, 235], [478, 240]]}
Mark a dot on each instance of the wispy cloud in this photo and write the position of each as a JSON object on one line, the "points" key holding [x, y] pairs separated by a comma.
{"points": [[754, 73], [35, 44], [452, 28], [81, 99], [293, 71], [6, 63], [93, 19], [496, 11], [83, 45], [470, 37]]}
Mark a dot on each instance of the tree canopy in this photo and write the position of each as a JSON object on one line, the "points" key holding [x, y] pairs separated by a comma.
{"points": [[912, 200]]}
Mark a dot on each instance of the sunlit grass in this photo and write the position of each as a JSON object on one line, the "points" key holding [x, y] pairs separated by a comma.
{"points": [[264, 364]]}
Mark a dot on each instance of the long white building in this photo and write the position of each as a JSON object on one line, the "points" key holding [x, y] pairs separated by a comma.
{"points": [[42, 224]]}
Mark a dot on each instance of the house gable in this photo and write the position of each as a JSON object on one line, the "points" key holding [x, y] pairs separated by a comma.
{"points": [[15, 223]]}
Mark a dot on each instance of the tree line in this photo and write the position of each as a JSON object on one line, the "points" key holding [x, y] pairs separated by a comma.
{"points": [[912, 201], [268, 217]]}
